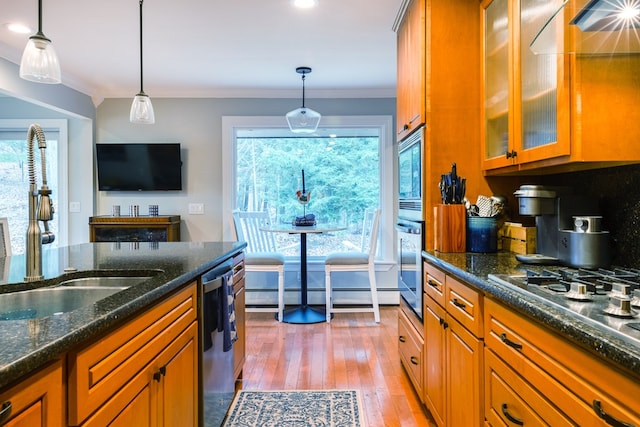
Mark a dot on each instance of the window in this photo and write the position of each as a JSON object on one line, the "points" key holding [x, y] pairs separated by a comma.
{"points": [[346, 170], [14, 173]]}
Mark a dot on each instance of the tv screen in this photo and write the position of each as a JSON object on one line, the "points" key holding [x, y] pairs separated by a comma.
{"points": [[139, 167]]}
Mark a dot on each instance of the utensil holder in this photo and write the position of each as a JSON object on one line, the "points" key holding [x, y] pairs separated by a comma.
{"points": [[450, 228]]}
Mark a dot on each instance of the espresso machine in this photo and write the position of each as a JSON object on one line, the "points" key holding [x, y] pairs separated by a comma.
{"points": [[568, 227]]}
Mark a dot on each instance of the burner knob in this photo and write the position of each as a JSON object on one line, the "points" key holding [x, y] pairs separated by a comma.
{"points": [[635, 302], [619, 306], [621, 289]]}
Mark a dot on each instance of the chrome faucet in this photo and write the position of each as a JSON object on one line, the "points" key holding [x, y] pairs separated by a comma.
{"points": [[40, 207]]}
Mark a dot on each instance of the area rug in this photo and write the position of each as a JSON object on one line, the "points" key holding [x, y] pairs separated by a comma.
{"points": [[299, 408]]}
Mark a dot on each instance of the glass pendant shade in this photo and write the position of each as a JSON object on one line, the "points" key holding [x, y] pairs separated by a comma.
{"points": [[303, 120], [142, 110], [39, 61]]}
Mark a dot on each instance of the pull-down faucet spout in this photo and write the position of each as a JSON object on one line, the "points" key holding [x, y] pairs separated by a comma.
{"points": [[40, 207]]}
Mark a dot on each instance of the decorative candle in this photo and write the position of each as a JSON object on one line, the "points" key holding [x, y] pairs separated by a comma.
{"points": [[303, 188]]}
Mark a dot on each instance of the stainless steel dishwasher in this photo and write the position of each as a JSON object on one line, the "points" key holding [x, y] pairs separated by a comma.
{"points": [[217, 379]]}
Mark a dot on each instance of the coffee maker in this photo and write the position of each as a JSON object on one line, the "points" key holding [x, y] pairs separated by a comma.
{"points": [[568, 227]]}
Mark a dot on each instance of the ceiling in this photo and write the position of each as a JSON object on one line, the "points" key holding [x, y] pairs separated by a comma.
{"points": [[215, 48]]}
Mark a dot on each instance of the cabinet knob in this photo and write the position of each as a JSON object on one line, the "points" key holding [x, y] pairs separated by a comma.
{"points": [[414, 360]]}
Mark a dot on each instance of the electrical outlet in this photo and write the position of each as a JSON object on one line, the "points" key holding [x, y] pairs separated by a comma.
{"points": [[196, 208], [74, 206]]}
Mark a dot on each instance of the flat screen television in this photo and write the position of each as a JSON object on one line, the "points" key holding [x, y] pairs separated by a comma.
{"points": [[139, 167]]}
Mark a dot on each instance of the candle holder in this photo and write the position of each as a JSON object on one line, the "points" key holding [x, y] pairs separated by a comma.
{"points": [[304, 197]]}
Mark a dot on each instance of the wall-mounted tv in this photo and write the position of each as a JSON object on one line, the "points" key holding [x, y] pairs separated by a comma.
{"points": [[139, 167]]}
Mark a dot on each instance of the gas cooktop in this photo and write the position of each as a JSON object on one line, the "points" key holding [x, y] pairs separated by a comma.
{"points": [[608, 299]]}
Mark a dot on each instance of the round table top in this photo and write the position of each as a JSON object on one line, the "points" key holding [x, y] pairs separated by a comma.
{"points": [[290, 228]]}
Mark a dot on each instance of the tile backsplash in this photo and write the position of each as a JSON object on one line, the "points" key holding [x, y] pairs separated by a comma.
{"points": [[618, 192]]}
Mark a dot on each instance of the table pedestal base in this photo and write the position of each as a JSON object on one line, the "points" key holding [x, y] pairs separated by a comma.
{"points": [[304, 315]]}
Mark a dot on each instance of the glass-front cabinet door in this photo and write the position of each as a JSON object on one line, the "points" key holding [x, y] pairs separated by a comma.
{"points": [[535, 124]]}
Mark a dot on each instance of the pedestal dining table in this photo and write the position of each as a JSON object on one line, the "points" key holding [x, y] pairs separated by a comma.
{"points": [[304, 313]]}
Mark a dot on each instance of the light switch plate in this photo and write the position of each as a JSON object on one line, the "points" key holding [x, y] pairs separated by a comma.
{"points": [[74, 207], [196, 208]]}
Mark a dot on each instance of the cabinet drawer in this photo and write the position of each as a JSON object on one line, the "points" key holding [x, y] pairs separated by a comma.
{"points": [[410, 346], [576, 379], [464, 304], [99, 370], [434, 281], [509, 398]]}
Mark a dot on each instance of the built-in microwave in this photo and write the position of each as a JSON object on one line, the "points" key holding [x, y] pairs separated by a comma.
{"points": [[410, 151]]}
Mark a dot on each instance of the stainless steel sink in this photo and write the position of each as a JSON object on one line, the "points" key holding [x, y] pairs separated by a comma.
{"points": [[63, 297]]}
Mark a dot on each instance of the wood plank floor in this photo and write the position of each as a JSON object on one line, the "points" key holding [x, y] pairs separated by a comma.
{"points": [[352, 352]]}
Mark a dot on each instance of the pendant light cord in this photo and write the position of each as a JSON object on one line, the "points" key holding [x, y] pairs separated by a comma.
{"points": [[40, 17], [303, 76], [141, 86]]}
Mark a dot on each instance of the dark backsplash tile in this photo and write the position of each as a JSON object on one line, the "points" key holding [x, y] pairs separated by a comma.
{"points": [[618, 192]]}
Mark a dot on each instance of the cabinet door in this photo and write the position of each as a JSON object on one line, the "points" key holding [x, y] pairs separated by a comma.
{"points": [[36, 401], [178, 391], [464, 376], [497, 83], [411, 69], [542, 89], [434, 360]]}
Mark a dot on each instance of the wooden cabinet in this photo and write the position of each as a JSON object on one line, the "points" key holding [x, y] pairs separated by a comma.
{"points": [[534, 375], [144, 373], [446, 95], [410, 346], [526, 96], [134, 228], [240, 293], [35, 401], [453, 354], [411, 65], [559, 112]]}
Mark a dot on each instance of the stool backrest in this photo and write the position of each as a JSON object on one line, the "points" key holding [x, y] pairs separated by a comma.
{"points": [[247, 227], [369, 240], [5, 241]]}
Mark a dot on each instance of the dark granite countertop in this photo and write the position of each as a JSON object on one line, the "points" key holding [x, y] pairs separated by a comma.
{"points": [[474, 268], [29, 343]]}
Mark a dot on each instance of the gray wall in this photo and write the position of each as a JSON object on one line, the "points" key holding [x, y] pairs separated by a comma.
{"points": [[196, 124]]}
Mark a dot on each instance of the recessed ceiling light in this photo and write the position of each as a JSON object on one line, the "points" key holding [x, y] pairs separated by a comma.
{"points": [[19, 28], [305, 4]]}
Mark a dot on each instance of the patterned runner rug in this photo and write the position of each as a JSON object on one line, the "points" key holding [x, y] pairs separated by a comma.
{"points": [[327, 408]]}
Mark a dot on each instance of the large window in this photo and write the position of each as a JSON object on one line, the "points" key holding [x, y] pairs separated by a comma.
{"points": [[344, 169]]}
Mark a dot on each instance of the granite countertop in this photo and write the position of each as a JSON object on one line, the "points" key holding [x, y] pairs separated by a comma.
{"points": [[474, 268], [29, 343]]}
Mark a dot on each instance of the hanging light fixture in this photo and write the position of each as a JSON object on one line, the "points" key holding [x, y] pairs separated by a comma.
{"points": [[39, 60], [303, 120], [141, 108]]}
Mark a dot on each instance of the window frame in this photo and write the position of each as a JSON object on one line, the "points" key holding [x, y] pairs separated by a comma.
{"points": [[61, 199], [232, 124]]}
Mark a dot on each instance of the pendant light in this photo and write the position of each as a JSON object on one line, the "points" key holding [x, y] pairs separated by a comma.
{"points": [[39, 60], [303, 120], [141, 108]]}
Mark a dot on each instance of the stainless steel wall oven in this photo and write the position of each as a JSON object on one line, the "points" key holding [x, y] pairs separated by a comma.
{"points": [[410, 242]]}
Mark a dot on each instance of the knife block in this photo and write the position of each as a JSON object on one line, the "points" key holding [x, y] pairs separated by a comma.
{"points": [[450, 228]]}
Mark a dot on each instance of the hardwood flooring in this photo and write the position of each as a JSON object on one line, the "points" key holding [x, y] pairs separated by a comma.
{"points": [[352, 352]]}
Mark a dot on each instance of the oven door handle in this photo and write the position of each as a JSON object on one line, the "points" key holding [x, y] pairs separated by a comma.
{"points": [[408, 229]]}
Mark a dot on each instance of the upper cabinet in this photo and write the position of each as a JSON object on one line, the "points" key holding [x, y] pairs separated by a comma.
{"points": [[411, 69], [525, 95], [552, 111]]}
